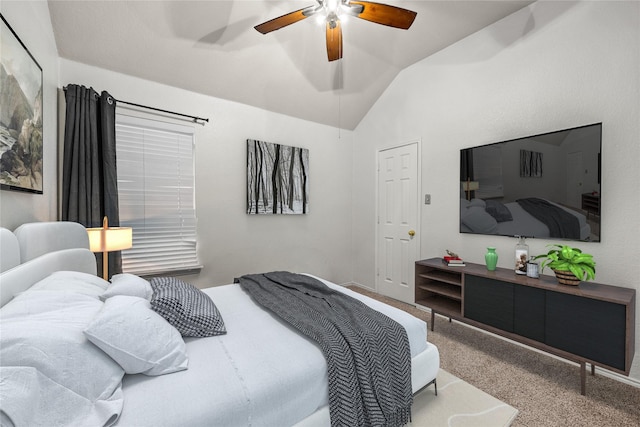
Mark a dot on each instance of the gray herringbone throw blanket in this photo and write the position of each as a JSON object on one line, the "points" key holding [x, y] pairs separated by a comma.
{"points": [[367, 353]]}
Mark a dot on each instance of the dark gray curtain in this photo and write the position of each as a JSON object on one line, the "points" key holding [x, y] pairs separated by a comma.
{"points": [[466, 167], [89, 180]]}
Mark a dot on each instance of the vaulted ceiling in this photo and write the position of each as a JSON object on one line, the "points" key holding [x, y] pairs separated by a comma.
{"points": [[211, 47]]}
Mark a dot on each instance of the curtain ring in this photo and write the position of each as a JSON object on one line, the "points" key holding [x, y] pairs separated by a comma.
{"points": [[109, 99]]}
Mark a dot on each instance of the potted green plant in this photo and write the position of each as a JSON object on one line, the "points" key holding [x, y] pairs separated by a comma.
{"points": [[570, 265]]}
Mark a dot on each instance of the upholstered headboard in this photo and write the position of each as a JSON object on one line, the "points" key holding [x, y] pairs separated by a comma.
{"points": [[9, 250], [35, 250], [39, 238]]}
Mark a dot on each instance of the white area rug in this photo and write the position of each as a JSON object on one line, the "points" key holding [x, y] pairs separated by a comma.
{"points": [[459, 404]]}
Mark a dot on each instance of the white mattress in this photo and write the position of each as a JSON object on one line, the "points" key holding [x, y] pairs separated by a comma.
{"points": [[261, 373]]}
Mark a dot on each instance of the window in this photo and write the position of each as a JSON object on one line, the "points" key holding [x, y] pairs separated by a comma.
{"points": [[156, 195], [487, 170]]}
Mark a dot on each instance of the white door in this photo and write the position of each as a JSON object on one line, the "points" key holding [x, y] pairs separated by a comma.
{"points": [[575, 174], [397, 228]]}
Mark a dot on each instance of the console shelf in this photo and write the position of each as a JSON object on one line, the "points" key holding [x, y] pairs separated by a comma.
{"points": [[590, 323], [439, 289], [448, 291]]}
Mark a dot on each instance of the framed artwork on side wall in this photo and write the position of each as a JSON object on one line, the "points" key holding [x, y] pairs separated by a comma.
{"points": [[20, 115], [277, 178]]}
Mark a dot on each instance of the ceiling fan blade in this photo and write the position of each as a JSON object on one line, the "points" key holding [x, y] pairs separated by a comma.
{"points": [[334, 40], [288, 19], [384, 14]]}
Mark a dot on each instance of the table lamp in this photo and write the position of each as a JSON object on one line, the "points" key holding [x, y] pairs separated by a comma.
{"points": [[104, 239], [470, 186]]}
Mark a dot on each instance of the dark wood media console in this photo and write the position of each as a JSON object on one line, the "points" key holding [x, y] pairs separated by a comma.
{"points": [[590, 323]]}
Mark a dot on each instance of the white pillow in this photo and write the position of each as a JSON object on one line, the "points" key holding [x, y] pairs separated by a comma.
{"points": [[479, 221], [478, 202], [128, 284], [72, 281], [43, 331], [136, 337]]}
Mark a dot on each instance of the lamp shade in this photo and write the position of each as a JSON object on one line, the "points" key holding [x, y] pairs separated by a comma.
{"points": [[470, 185], [106, 239], [110, 239]]}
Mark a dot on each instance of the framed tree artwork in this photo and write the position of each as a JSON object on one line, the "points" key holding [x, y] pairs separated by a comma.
{"points": [[20, 115], [530, 164], [277, 178]]}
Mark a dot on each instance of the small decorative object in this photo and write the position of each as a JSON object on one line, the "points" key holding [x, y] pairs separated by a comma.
{"points": [[452, 259], [522, 256], [570, 265], [491, 258], [533, 270]]}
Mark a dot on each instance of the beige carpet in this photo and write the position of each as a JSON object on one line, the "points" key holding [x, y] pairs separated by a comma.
{"points": [[544, 390], [459, 404]]}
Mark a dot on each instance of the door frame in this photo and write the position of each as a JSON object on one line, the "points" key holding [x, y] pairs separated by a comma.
{"points": [[418, 227]]}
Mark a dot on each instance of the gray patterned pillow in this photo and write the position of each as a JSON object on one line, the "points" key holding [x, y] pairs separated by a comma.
{"points": [[186, 308], [499, 211]]}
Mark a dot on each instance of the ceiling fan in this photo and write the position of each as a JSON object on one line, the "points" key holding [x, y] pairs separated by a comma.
{"points": [[384, 14]]}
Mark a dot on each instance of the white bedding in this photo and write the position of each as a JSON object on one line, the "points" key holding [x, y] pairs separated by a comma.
{"points": [[525, 224], [474, 218], [233, 380], [260, 373]]}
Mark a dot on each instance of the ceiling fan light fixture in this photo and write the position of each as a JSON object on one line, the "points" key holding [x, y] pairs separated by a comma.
{"points": [[332, 6], [331, 11], [332, 20]]}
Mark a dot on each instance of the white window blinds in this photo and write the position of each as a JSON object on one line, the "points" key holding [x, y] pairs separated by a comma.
{"points": [[487, 170], [156, 195]]}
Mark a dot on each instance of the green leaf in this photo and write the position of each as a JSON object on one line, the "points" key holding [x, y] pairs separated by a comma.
{"points": [[567, 252], [577, 271], [559, 265], [591, 272]]}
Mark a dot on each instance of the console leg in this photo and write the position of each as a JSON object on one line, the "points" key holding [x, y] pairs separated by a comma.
{"points": [[583, 378], [593, 369], [433, 318]]}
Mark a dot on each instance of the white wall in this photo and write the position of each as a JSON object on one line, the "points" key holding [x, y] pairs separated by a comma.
{"points": [[230, 242], [550, 66], [31, 22]]}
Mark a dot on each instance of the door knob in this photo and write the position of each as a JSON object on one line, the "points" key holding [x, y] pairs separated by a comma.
{"points": [[412, 233]]}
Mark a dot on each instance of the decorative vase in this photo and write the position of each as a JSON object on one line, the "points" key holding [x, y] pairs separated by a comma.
{"points": [[491, 258], [567, 278]]}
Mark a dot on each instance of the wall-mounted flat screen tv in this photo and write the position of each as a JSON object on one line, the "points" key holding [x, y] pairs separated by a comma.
{"points": [[543, 186]]}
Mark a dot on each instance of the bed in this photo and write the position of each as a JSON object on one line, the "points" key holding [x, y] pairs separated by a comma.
{"points": [[261, 372], [513, 219]]}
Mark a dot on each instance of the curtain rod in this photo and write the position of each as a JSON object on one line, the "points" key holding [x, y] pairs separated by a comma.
{"points": [[194, 118]]}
